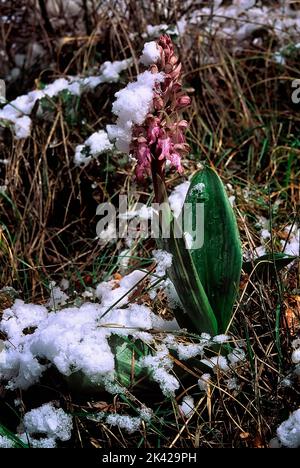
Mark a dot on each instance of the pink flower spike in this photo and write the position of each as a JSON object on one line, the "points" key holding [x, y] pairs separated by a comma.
{"points": [[161, 137]]}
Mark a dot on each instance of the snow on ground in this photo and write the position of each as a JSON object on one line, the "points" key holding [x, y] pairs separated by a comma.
{"points": [[42, 427], [292, 245], [288, 432], [130, 424], [296, 351], [57, 296], [204, 381], [160, 364], [238, 20], [5, 442], [177, 197], [18, 111], [76, 339], [94, 145], [48, 421], [187, 406]]}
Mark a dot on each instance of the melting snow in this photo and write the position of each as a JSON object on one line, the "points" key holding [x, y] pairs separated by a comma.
{"points": [[289, 431], [18, 110]]}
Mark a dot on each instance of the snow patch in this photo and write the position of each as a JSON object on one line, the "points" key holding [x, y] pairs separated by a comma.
{"points": [[187, 406], [289, 431], [131, 108], [95, 145], [5, 442], [150, 53], [49, 421], [17, 111], [128, 423], [177, 197]]}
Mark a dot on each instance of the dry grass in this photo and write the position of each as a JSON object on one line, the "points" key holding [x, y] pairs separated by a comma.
{"points": [[243, 123]]}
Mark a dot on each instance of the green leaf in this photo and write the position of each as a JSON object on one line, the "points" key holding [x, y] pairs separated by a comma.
{"points": [[127, 352], [268, 264], [129, 372], [218, 261], [18, 443], [198, 315]]}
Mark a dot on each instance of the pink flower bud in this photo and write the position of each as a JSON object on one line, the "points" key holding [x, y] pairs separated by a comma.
{"points": [[175, 74], [153, 131], [183, 101], [158, 103]]}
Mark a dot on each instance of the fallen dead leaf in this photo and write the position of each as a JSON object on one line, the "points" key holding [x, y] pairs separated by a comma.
{"points": [[292, 314], [118, 276], [258, 442]]}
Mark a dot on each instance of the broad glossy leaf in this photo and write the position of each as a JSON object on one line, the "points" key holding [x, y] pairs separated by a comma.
{"points": [[218, 261], [198, 315]]}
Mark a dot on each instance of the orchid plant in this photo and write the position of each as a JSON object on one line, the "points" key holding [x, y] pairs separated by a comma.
{"points": [[151, 129], [207, 278]]}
